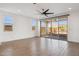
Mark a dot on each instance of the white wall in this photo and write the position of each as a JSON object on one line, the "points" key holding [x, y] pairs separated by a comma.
{"points": [[73, 27], [22, 27]]}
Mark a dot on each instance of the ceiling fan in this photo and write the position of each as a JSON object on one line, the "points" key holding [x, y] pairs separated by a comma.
{"points": [[45, 12]]}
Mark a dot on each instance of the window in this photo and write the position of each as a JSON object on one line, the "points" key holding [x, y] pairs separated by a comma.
{"points": [[33, 25], [8, 23]]}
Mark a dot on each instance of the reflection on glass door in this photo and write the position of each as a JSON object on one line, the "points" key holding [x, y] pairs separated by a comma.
{"points": [[54, 27], [42, 28], [63, 28], [49, 28]]}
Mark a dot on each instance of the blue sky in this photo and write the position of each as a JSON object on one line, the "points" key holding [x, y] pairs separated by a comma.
{"points": [[8, 20], [63, 22], [33, 22]]}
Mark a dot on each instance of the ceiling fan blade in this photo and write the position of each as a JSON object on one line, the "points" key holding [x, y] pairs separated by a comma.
{"points": [[46, 15], [49, 13], [46, 10]]}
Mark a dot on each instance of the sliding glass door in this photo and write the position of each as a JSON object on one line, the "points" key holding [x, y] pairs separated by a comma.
{"points": [[56, 28]]}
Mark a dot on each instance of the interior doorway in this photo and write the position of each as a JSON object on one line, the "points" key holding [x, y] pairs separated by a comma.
{"points": [[55, 28]]}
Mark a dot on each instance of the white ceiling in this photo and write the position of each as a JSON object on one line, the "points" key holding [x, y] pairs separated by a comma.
{"points": [[31, 10]]}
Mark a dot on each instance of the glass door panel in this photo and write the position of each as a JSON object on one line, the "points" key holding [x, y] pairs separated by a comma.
{"points": [[42, 28], [63, 29], [63, 32], [55, 27], [49, 28]]}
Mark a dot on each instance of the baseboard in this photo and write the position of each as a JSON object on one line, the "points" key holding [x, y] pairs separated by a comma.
{"points": [[18, 39], [73, 42]]}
